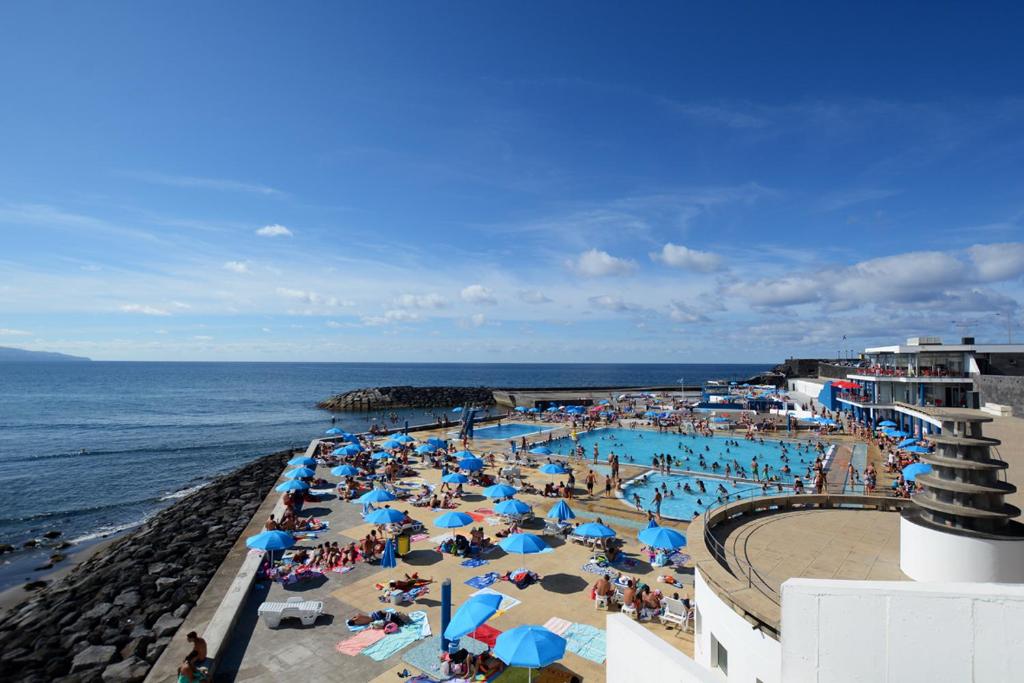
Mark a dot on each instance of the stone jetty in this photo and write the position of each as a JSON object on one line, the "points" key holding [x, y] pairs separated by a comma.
{"points": [[386, 398], [113, 615]]}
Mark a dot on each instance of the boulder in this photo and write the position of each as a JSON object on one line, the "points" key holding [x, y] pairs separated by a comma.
{"points": [[183, 610], [165, 582], [98, 612], [92, 657], [53, 533], [129, 599], [166, 625], [156, 648], [131, 670]]}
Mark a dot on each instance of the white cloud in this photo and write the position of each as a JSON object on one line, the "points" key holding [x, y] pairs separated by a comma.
{"points": [[901, 277], [533, 296], [313, 298], [595, 263], [678, 256], [8, 332], [391, 317], [681, 312], [202, 337], [240, 267], [478, 294], [613, 303], [265, 329], [334, 324], [206, 183], [144, 310], [995, 262], [784, 291], [274, 230], [424, 301], [477, 319], [180, 305]]}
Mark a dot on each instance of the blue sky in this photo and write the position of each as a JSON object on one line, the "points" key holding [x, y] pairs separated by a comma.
{"points": [[507, 182]]}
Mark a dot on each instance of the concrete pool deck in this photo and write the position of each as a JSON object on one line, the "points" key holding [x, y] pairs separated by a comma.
{"points": [[256, 653]]}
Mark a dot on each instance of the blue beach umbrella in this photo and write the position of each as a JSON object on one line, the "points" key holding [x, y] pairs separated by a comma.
{"points": [[380, 455], [896, 433], [662, 537], [333, 431], [512, 507], [651, 524], [541, 450], [455, 478], [350, 437], [911, 472], [552, 410], [292, 485], [552, 468], [472, 614], [909, 441], [300, 473], [887, 423], [561, 511], [385, 516], [376, 496], [351, 449], [524, 544], [437, 441], [594, 530], [533, 647], [499, 491], [391, 445], [463, 455], [916, 449], [520, 409], [271, 540], [426, 449], [471, 464], [388, 559], [303, 462], [457, 409], [453, 520], [344, 471], [402, 438], [534, 410]]}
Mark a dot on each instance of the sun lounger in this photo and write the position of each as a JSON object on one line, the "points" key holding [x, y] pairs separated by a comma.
{"points": [[305, 611], [675, 613]]}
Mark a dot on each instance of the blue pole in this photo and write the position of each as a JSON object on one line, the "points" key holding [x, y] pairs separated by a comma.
{"points": [[446, 610]]}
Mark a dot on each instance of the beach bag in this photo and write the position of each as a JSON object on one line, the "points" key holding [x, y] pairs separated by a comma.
{"points": [[391, 627]]}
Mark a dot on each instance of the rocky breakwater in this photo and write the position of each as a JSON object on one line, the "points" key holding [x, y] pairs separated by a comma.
{"points": [[113, 615], [384, 398]]}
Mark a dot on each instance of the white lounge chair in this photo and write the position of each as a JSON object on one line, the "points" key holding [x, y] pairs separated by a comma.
{"points": [[675, 613], [305, 611]]}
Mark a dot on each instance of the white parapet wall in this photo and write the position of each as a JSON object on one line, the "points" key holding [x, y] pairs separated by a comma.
{"points": [[930, 554], [901, 632], [809, 388], [721, 633], [635, 654]]}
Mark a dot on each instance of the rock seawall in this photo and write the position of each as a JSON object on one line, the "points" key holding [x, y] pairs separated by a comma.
{"points": [[377, 398], [113, 615]]}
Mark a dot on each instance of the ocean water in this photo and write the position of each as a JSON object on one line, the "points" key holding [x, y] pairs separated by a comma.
{"points": [[88, 448]]}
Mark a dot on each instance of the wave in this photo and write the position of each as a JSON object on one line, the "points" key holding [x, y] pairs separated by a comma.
{"points": [[183, 492], [109, 529]]}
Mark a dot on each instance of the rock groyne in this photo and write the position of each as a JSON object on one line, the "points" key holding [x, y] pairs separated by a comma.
{"points": [[113, 615], [386, 398]]}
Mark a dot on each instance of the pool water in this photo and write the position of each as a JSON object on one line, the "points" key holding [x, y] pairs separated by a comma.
{"points": [[508, 431], [677, 503], [638, 447]]}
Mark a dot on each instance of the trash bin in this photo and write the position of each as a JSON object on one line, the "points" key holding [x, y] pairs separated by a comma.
{"points": [[404, 543]]}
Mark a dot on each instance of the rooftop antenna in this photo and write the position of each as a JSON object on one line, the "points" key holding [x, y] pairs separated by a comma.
{"points": [[964, 326], [1009, 324]]}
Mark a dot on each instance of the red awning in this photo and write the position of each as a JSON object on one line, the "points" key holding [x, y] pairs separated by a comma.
{"points": [[843, 384]]}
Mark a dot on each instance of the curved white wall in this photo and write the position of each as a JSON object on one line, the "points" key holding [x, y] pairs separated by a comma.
{"points": [[928, 554], [752, 654]]}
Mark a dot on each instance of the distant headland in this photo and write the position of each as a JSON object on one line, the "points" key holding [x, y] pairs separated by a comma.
{"points": [[9, 353]]}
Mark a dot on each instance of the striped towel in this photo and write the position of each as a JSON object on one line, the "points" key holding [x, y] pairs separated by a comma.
{"points": [[557, 626], [586, 641]]}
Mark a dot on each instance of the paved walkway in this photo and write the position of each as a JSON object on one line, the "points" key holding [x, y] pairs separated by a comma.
{"points": [[259, 655]]}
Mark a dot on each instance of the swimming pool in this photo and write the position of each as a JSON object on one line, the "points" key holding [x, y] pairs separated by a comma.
{"points": [[676, 502], [508, 431], [639, 446]]}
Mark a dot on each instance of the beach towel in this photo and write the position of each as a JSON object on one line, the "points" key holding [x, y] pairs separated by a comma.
{"points": [[594, 568], [437, 540], [493, 521], [557, 625], [507, 601], [477, 517], [343, 569], [482, 581], [390, 645], [484, 511], [486, 634], [418, 537], [586, 641], [473, 562], [357, 643]]}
